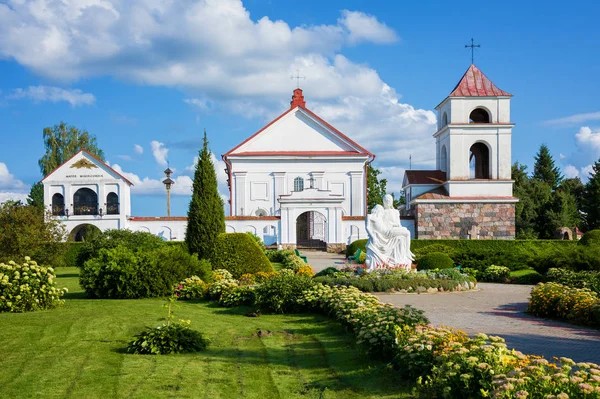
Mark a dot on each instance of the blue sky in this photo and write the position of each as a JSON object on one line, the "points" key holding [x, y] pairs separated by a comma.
{"points": [[148, 76]]}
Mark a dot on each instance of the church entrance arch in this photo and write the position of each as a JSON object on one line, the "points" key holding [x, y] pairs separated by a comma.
{"points": [[311, 230], [84, 232]]}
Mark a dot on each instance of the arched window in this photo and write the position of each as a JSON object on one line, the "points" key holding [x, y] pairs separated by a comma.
{"points": [[112, 204], [444, 119], [443, 159], [85, 202], [260, 212], [298, 184], [479, 115], [479, 161], [58, 205]]}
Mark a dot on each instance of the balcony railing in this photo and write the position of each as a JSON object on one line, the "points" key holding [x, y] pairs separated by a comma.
{"points": [[85, 209], [58, 210], [112, 209]]}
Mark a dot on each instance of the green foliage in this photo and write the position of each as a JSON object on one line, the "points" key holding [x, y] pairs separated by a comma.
{"points": [[591, 198], [258, 241], [376, 188], [239, 254], [36, 195], [495, 274], [206, 216], [71, 253], [171, 337], [136, 241], [419, 253], [526, 276], [591, 238], [26, 231], [355, 246], [280, 293], [190, 288], [277, 256], [237, 296], [62, 142], [326, 272], [545, 168], [120, 272], [435, 260], [27, 287], [292, 261], [559, 301], [583, 279], [575, 257]]}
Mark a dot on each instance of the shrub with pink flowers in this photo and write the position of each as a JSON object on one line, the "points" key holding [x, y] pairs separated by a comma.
{"points": [[190, 288]]}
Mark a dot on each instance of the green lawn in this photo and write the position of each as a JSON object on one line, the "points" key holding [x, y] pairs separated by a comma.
{"points": [[77, 352], [276, 266]]}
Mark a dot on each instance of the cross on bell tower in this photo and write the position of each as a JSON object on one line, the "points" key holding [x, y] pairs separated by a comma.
{"points": [[472, 46]]}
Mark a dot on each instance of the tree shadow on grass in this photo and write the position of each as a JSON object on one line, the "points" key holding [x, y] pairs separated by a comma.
{"points": [[67, 275], [75, 295]]}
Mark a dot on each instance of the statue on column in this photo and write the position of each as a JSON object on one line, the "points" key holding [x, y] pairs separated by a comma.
{"points": [[389, 242]]}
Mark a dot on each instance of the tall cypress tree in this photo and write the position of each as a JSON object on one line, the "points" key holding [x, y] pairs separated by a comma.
{"points": [[545, 168], [206, 217], [591, 202]]}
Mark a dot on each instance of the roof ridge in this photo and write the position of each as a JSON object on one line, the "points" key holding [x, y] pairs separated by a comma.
{"points": [[474, 83]]}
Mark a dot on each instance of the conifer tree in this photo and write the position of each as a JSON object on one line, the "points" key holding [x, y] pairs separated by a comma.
{"points": [[206, 217], [545, 169], [591, 204]]}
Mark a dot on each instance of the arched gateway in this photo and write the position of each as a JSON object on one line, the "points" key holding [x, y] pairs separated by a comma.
{"points": [[310, 230]]}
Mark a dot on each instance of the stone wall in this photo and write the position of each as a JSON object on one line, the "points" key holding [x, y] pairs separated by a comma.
{"points": [[484, 221]]}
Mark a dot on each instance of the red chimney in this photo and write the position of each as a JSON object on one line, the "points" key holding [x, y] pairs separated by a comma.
{"points": [[297, 99]]}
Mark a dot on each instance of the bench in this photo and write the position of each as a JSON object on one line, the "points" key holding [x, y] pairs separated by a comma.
{"points": [[301, 256]]}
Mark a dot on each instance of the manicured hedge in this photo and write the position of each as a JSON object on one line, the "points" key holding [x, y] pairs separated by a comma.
{"points": [[590, 238], [239, 254], [435, 260]]}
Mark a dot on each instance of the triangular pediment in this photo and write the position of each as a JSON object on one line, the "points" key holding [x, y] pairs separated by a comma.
{"points": [[84, 166], [298, 131]]}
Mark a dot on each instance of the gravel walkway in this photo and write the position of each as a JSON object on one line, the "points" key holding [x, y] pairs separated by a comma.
{"points": [[495, 309]]}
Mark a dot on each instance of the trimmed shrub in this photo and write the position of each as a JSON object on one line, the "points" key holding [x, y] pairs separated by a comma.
{"points": [[122, 273], [435, 260], [529, 277], [292, 262], [239, 254], [495, 274], [277, 256], [591, 238], [237, 296], [433, 248], [280, 294], [580, 257], [355, 246], [27, 287]]}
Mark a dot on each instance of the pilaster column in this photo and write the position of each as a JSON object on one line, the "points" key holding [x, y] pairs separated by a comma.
{"points": [[279, 188], [240, 193], [356, 193], [319, 183]]}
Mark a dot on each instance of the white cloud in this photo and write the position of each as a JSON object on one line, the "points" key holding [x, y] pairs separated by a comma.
{"points": [[394, 176], [364, 27], [38, 94], [220, 172], [588, 138], [574, 119], [138, 149], [124, 157], [160, 152], [201, 104], [562, 156], [586, 171], [570, 171], [11, 188]]}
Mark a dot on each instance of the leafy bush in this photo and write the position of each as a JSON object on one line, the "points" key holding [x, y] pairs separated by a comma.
{"points": [[584, 279], [257, 240], [305, 271], [171, 337], [471, 272], [280, 293], [240, 254], [136, 241], [559, 301], [495, 274], [27, 287], [237, 296], [120, 272], [355, 246], [327, 272], [578, 258], [435, 260], [292, 261], [419, 253], [526, 276], [26, 231], [277, 256], [590, 239], [190, 288]]}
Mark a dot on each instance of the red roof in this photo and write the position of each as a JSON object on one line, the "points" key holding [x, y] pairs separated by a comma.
{"points": [[298, 102], [97, 159], [475, 84], [425, 176]]}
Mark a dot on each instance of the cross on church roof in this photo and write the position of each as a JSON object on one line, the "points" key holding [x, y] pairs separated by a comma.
{"points": [[297, 77], [472, 46]]}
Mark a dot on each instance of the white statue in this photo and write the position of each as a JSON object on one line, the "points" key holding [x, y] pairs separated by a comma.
{"points": [[389, 241]]}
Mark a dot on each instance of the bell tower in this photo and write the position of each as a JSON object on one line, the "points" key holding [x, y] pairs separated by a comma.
{"points": [[473, 138]]}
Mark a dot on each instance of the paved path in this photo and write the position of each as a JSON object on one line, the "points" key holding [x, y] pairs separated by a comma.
{"points": [[495, 309]]}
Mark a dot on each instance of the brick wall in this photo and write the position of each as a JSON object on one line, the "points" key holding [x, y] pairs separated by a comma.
{"points": [[459, 221]]}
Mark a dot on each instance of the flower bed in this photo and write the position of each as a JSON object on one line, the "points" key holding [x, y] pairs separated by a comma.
{"points": [[583, 279], [576, 305], [384, 280]]}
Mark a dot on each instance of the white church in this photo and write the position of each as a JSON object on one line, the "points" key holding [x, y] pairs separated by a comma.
{"points": [[300, 183]]}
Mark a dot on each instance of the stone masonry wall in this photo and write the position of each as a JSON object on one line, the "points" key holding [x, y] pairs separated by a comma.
{"points": [[465, 220]]}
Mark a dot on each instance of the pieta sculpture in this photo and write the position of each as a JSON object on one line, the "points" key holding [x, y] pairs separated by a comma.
{"points": [[389, 242]]}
